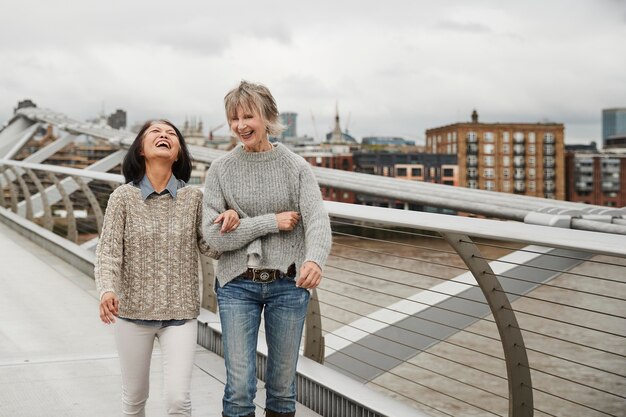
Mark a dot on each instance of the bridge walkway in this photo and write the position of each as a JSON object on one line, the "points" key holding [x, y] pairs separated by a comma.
{"points": [[58, 359]]}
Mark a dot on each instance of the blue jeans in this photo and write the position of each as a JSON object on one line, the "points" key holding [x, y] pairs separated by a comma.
{"points": [[284, 308]]}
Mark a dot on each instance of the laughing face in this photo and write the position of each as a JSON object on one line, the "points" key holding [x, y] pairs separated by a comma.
{"points": [[160, 141], [251, 130]]}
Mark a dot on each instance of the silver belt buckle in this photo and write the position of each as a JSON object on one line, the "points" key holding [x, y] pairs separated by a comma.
{"points": [[263, 275]]}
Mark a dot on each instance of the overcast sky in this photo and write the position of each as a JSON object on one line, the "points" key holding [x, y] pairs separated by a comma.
{"points": [[394, 67]]}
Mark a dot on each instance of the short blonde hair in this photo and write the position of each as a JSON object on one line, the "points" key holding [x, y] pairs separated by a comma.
{"points": [[257, 99]]}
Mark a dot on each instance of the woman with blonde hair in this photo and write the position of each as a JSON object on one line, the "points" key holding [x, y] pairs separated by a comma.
{"points": [[272, 259]]}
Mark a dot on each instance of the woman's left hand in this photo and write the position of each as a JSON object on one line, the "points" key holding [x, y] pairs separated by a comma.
{"points": [[229, 220], [310, 275]]}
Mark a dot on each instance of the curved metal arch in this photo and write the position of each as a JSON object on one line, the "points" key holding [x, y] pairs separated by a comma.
{"points": [[72, 233], [25, 191], [313, 339], [93, 201], [3, 201], [48, 223], [12, 190], [516, 359]]}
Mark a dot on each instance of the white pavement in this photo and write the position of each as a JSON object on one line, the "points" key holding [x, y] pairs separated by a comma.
{"points": [[57, 359]]}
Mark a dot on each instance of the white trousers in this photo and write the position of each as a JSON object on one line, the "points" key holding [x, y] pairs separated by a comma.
{"points": [[134, 346]]}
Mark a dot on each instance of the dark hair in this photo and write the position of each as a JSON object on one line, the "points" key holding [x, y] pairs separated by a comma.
{"points": [[134, 165]]}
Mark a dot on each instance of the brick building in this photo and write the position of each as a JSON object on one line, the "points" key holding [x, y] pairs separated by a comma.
{"points": [[596, 178], [521, 158]]}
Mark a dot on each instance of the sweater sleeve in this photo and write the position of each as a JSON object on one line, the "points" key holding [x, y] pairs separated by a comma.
{"points": [[108, 264], [203, 246], [317, 231], [250, 228]]}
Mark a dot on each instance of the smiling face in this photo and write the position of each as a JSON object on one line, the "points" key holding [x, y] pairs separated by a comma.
{"points": [[160, 141], [250, 128]]}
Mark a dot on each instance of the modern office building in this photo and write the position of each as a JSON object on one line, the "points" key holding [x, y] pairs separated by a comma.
{"points": [[289, 120], [521, 158], [596, 178], [386, 141], [613, 126], [413, 166], [117, 120]]}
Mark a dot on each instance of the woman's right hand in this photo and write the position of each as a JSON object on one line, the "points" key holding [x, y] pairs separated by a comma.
{"points": [[109, 304], [287, 220]]}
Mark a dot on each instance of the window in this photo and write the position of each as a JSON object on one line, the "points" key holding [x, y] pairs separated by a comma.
{"points": [[506, 173], [531, 149], [518, 137], [490, 185], [449, 136], [531, 173], [489, 160], [489, 137], [531, 137], [400, 172], [416, 172], [488, 148], [471, 173], [489, 173], [506, 160], [472, 184], [449, 148], [448, 172], [454, 148], [531, 161], [505, 137], [472, 137], [506, 186], [531, 185], [506, 148], [454, 137]]}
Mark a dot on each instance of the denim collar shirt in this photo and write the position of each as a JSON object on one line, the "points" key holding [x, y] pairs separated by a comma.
{"points": [[147, 189]]}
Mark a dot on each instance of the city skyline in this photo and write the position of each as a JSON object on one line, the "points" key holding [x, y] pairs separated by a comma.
{"points": [[395, 71]]}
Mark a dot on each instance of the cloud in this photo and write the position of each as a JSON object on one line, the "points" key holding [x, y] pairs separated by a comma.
{"points": [[396, 69], [470, 27]]}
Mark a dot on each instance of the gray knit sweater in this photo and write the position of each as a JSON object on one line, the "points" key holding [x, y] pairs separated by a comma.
{"points": [[258, 185], [148, 253]]}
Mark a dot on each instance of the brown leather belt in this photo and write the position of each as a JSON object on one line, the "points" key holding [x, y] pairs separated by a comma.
{"points": [[268, 275]]}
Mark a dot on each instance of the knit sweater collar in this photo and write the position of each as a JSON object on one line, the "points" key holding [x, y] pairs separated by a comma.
{"points": [[277, 150]]}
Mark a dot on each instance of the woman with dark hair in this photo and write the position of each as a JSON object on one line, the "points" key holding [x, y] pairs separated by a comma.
{"points": [[146, 266], [271, 261]]}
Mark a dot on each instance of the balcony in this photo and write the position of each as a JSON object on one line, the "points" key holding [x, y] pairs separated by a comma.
{"points": [[472, 149], [472, 174], [519, 149], [519, 161], [472, 161], [548, 150], [548, 138], [548, 162]]}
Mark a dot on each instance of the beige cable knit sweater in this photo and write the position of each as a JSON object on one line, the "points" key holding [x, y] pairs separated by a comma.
{"points": [[148, 253]]}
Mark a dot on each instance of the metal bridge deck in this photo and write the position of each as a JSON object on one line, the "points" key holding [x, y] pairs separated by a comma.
{"points": [[58, 359]]}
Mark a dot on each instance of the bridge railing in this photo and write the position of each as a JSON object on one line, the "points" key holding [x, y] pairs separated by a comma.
{"points": [[444, 314]]}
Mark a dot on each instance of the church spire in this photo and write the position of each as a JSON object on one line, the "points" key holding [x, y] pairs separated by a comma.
{"points": [[336, 136]]}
